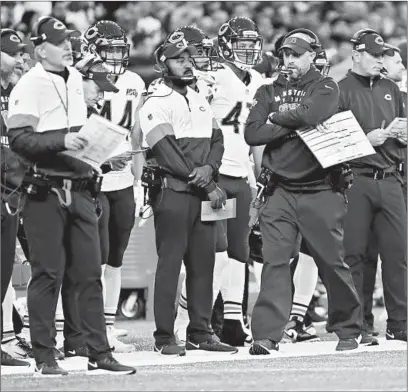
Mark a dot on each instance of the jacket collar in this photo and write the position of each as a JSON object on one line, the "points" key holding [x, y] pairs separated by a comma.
{"points": [[365, 80]]}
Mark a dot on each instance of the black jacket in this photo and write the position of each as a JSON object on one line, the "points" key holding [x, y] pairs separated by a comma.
{"points": [[303, 104], [373, 101]]}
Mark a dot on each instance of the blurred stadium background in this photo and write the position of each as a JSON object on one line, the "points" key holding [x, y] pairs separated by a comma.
{"points": [[147, 23]]}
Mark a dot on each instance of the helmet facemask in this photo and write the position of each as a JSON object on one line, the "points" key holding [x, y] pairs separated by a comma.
{"points": [[242, 55], [114, 53], [206, 57]]}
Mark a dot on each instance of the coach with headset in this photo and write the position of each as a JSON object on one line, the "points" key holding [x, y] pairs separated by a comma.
{"points": [[179, 127], [300, 197], [376, 198]]}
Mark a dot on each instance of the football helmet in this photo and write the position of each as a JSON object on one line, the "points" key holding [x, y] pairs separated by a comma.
{"points": [[172, 47], [107, 39], [231, 37], [79, 49], [206, 58]]}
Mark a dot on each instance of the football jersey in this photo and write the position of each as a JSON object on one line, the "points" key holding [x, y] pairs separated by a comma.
{"points": [[231, 103], [120, 109]]}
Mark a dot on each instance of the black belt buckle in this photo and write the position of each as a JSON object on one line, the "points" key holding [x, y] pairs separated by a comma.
{"points": [[378, 174]]}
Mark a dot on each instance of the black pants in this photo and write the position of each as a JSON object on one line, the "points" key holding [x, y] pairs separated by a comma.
{"points": [[116, 224], [319, 218], [379, 205], [180, 235], [64, 242], [8, 250], [369, 278]]}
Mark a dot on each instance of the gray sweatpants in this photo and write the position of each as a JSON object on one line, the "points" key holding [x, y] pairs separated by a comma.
{"points": [[319, 218]]}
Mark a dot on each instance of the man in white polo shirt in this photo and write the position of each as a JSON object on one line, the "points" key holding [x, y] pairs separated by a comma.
{"points": [[46, 110], [178, 126]]}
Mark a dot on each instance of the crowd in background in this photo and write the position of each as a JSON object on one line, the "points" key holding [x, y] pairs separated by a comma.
{"points": [[147, 23]]}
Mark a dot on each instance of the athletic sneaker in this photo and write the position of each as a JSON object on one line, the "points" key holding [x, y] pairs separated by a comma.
{"points": [[263, 347], [15, 349], [77, 352], [108, 365], [296, 332], [396, 335], [26, 346], [368, 340], [8, 360], [347, 344], [118, 346], [172, 348], [235, 333], [212, 344], [49, 370]]}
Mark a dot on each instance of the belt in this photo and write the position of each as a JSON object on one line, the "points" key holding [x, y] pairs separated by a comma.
{"points": [[375, 174], [77, 185]]}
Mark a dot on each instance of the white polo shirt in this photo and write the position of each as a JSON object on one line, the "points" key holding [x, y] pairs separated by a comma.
{"points": [[189, 116], [44, 101]]}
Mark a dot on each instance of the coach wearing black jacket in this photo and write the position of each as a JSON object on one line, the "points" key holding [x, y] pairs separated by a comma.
{"points": [[304, 200], [376, 197]]}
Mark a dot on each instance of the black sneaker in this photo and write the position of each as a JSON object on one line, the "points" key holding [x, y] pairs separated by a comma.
{"points": [[8, 360], [58, 355], [347, 344], [235, 334], [24, 345], [368, 340], [77, 352], [108, 365], [396, 335], [263, 347], [295, 332], [171, 348], [49, 370], [212, 344]]}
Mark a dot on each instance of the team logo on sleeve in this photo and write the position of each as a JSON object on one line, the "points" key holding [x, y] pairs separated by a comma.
{"points": [[150, 117]]}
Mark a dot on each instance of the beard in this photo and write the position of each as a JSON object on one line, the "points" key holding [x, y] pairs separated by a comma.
{"points": [[182, 83]]}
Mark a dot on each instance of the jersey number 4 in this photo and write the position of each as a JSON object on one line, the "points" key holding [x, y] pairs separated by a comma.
{"points": [[232, 118], [126, 120]]}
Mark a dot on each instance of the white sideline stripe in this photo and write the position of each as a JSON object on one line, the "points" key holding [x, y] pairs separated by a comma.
{"points": [[150, 358]]}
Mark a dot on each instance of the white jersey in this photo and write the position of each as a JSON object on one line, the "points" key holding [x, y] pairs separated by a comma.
{"points": [[231, 103], [120, 109]]}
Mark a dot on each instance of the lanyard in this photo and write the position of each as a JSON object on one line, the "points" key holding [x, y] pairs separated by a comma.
{"points": [[65, 106]]}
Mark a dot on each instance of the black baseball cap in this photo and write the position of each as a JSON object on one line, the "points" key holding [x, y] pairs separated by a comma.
{"points": [[372, 43], [93, 68], [11, 43], [52, 30]]}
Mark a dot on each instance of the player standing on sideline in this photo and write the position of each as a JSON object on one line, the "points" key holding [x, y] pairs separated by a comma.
{"points": [[12, 174], [300, 198], [108, 40], [240, 46], [60, 202], [179, 127], [376, 200]]}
